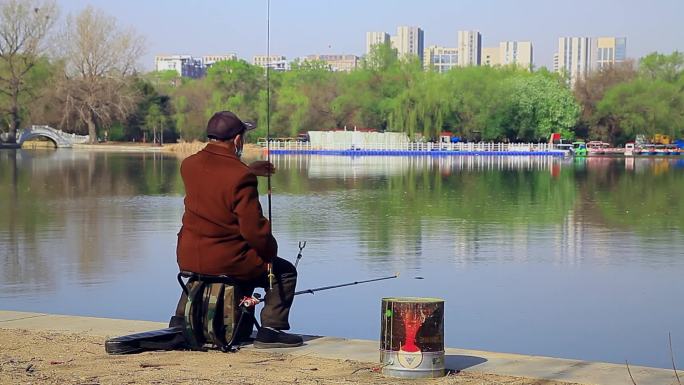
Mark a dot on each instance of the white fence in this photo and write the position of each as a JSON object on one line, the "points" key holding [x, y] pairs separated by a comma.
{"points": [[416, 146]]}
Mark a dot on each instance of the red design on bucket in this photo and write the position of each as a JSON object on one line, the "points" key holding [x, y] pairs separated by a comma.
{"points": [[411, 325], [412, 322]]}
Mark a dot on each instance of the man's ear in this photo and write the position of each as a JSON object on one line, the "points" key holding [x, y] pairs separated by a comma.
{"points": [[236, 138]]}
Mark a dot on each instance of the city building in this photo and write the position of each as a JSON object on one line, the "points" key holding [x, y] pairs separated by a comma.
{"points": [[555, 62], [184, 65], [375, 38], [573, 58], [208, 60], [606, 51], [344, 63], [516, 53], [469, 48], [577, 56], [409, 41], [440, 59], [490, 56], [274, 62]]}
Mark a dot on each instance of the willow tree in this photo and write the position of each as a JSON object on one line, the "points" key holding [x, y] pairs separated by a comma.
{"points": [[23, 27], [100, 57]]}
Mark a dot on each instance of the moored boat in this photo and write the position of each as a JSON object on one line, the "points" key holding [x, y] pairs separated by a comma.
{"points": [[596, 147], [629, 149], [579, 148]]}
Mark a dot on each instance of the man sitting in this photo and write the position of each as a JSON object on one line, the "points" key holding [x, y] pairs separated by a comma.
{"points": [[224, 231]]}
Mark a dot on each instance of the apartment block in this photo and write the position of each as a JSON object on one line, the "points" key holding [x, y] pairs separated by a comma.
{"points": [[517, 53], [375, 38], [409, 41], [440, 59], [469, 48], [607, 51], [345, 63], [274, 62], [490, 56], [184, 65], [574, 57], [208, 60], [577, 56]]}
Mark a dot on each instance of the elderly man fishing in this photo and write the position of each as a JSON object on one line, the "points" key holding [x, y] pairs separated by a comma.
{"points": [[224, 231]]}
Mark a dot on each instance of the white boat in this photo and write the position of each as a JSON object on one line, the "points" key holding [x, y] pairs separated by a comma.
{"points": [[629, 149]]}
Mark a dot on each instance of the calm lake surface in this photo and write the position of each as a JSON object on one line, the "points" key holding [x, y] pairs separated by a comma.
{"points": [[569, 258]]}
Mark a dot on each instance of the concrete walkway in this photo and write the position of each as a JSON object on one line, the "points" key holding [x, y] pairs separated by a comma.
{"points": [[546, 368]]}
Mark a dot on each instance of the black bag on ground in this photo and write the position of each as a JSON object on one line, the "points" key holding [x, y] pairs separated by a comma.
{"points": [[162, 339], [212, 318]]}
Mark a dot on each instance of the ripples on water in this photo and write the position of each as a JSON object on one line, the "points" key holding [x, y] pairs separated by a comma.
{"points": [[577, 258]]}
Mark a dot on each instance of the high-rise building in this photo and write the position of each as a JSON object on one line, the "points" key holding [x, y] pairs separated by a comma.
{"points": [[577, 56], [606, 51], [184, 65], [409, 41], [375, 38], [555, 62], [274, 62], [440, 59], [490, 56], [345, 63], [516, 53], [574, 57], [469, 48]]}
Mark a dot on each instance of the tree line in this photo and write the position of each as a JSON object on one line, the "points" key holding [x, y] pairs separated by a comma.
{"points": [[81, 76]]}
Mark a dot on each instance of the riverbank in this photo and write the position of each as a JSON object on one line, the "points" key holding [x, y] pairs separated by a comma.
{"points": [[181, 150], [55, 349], [44, 357]]}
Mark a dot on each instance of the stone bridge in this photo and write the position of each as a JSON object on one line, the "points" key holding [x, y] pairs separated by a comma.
{"points": [[59, 137]]}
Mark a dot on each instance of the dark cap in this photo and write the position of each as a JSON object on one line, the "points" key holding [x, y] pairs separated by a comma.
{"points": [[226, 125]]}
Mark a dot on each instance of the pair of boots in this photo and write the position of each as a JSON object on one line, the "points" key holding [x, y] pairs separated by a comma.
{"points": [[266, 338]]}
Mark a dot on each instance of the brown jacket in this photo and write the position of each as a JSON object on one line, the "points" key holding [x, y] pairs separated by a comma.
{"points": [[224, 230]]}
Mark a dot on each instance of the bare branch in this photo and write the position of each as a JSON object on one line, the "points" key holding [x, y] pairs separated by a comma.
{"points": [[99, 59], [24, 25]]}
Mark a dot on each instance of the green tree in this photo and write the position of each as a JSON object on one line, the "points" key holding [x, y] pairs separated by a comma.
{"points": [[235, 86], [304, 98], [590, 91], [155, 121], [135, 124], [540, 105], [644, 106], [664, 67]]}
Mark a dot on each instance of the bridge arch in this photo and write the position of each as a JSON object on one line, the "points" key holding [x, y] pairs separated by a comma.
{"points": [[58, 137], [31, 136]]}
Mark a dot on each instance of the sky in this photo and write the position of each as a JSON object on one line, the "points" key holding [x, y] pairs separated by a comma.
{"points": [[304, 27]]}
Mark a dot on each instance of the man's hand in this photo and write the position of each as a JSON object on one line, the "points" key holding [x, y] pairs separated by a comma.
{"points": [[262, 168]]}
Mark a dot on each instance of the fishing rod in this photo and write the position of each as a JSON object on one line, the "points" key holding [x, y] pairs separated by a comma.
{"points": [[268, 105], [269, 266], [312, 291], [255, 299]]}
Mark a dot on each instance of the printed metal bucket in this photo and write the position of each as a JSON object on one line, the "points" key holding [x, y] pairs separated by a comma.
{"points": [[412, 337]]}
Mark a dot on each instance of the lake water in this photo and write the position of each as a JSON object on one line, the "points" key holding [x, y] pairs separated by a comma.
{"points": [[568, 258]]}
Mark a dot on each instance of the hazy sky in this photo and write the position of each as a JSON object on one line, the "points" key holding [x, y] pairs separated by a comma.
{"points": [[303, 27]]}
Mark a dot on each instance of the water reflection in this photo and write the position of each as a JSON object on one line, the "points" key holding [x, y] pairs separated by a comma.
{"points": [[69, 212], [542, 240]]}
